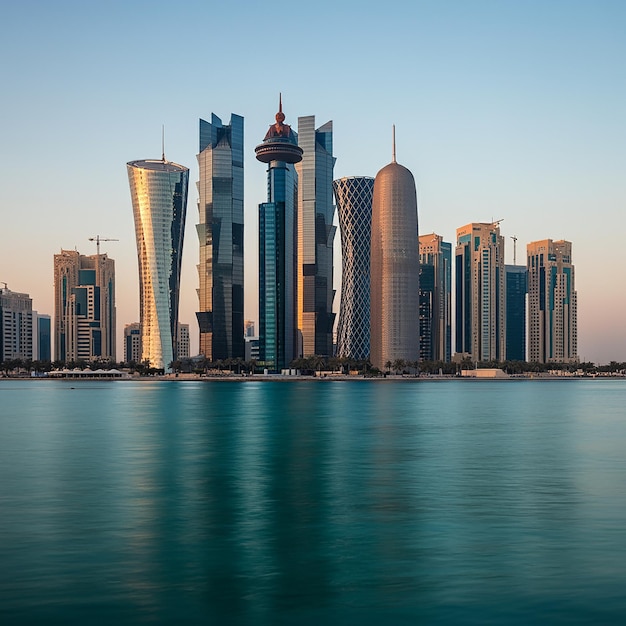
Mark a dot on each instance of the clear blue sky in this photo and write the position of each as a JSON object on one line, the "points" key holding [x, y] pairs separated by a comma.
{"points": [[503, 109]]}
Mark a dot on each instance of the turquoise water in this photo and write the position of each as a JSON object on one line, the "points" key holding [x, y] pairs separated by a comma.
{"points": [[457, 502]]}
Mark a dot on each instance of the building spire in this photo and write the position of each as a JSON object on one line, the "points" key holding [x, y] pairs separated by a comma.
{"points": [[393, 143], [163, 142]]}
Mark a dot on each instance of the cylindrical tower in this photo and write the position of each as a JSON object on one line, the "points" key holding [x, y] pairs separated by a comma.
{"points": [[159, 194], [353, 195], [394, 284], [277, 246]]}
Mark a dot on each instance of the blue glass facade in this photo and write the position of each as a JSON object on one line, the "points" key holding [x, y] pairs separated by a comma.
{"points": [[516, 289], [220, 234]]}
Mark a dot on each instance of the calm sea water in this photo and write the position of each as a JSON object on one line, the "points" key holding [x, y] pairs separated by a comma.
{"points": [[457, 502]]}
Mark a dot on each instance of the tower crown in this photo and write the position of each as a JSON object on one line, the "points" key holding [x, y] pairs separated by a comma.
{"points": [[280, 142]]}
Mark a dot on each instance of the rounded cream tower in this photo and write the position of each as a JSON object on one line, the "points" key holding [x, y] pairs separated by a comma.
{"points": [[394, 268], [158, 191]]}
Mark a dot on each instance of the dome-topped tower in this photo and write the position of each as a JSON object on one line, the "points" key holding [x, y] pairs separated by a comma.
{"points": [[280, 142], [394, 286]]}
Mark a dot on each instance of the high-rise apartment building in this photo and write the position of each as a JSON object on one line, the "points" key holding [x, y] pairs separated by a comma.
{"points": [[480, 292], [220, 231], [552, 306], [435, 298], [84, 306], [353, 195], [316, 234], [278, 246], [394, 268], [516, 288], [16, 325], [43, 335], [158, 191], [183, 341], [132, 343]]}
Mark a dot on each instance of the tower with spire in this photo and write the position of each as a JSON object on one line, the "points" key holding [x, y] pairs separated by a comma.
{"points": [[277, 246], [394, 267]]}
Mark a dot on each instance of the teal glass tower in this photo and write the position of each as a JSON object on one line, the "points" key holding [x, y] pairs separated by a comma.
{"points": [[277, 246], [516, 289], [158, 190], [220, 234]]}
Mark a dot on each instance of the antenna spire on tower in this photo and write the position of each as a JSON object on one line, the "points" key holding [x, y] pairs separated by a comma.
{"points": [[280, 102], [163, 142], [393, 150]]}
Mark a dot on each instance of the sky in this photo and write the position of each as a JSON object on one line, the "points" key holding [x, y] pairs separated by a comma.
{"points": [[503, 110]]}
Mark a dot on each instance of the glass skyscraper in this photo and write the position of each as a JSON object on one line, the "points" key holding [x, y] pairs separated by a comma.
{"points": [[552, 302], [394, 267], [158, 191], [220, 232], [435, 298], [353, 195], [277, 247], [516, 288], [480, 292], [316, 234]]}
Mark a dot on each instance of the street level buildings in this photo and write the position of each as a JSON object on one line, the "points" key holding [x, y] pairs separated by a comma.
{"points": [[480, 292], [353, 195], [435, 298], [220, 233], [552, 305], [84, 306], [278, 247], [16, 325], [394, 268], [316, 234], [159, 196]]}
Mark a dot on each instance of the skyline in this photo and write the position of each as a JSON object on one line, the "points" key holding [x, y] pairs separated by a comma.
{"points": [[502, 112]]}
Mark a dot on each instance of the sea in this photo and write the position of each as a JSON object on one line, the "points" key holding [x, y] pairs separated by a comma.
{"points": [[313, 502]]}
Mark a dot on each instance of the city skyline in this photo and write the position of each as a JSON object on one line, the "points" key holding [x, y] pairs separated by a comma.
{"points": [[505, 112]]}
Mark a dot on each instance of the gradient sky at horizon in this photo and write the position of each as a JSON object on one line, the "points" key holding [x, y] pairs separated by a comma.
{"points": [[503, 110]]}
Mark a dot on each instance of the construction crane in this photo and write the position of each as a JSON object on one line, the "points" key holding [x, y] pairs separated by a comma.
{"points": [[98, 239], [514, 238]]}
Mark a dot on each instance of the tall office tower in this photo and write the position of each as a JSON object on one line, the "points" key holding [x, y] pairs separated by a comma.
{"points": [[183, 341], [353, 195], [158, 190], [480, 292], [516, 288], [132, 343], [43, 350], [551, 302], [248, 328], [16, 325], [84, 306], [316, 234], [220, 232], [394, 267], [436, 297], [277, 246]]}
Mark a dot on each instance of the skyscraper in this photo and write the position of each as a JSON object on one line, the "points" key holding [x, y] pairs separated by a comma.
{"points": [[435, 298], [16, 325], [516, 312], [316, 234], [480, 292], [84, 305], [394, 279], [44, 337], [220, 232], [552, 306], [277, 246], [158, 191], [353, 195], [132, 343]]}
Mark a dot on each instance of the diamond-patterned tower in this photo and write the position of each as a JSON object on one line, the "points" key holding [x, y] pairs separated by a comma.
{"points": [[353, 195]]}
